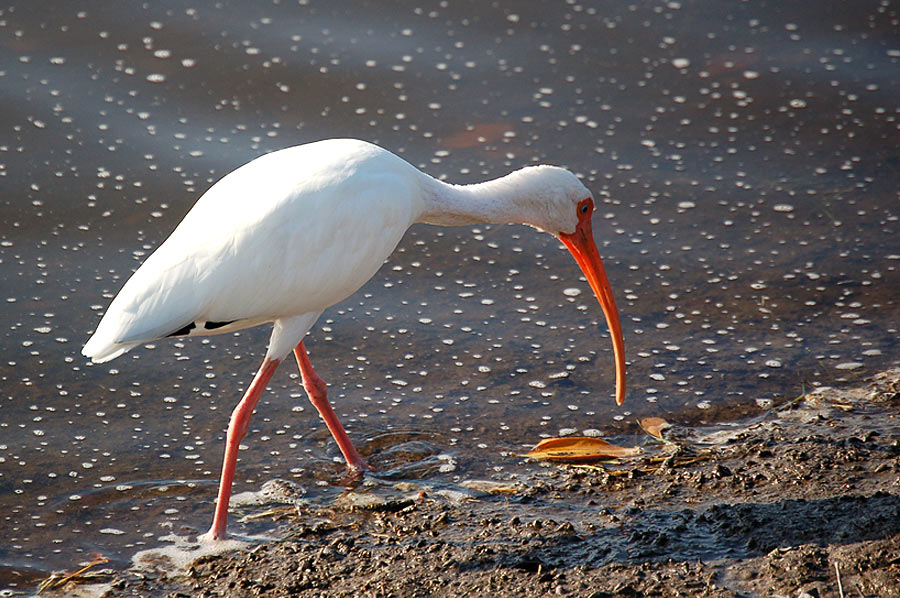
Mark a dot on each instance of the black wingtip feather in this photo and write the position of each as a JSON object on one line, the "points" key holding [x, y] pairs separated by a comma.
{"points": [[184, 330]]}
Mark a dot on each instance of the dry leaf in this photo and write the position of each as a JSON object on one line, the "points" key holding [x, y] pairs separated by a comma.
{"points": [[654, 426], [579, 449]]}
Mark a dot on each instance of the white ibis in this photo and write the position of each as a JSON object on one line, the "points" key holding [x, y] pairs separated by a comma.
{"points": [[295, 231]]}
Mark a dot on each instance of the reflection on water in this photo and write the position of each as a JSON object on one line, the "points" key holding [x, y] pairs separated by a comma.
{"points": [[744, 157]]}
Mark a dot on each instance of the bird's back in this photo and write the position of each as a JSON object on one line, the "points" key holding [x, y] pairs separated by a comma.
{"points": [[291, 232]]}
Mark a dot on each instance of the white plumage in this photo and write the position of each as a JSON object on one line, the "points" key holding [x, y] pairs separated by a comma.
{"points": [[293, 232]]}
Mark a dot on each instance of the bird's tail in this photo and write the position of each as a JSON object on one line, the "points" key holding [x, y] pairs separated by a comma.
{"points": [[100, 349]]}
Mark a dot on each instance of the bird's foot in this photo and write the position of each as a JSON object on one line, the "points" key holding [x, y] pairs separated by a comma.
{"points": [[359, 467], [355, 473], [212, 536]]}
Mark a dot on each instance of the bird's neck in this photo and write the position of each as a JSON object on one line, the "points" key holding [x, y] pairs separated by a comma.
{"points": [[498, 201]]}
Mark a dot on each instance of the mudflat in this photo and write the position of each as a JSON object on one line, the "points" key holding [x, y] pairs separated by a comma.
{"points": [[803, 501]]}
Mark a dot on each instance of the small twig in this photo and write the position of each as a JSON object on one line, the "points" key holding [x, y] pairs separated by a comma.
{"points": [[275, 513], [54, 582], [837, 570]]}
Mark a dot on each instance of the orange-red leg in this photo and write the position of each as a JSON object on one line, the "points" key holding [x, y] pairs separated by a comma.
{"points": [[318, 396], [237, 428]]}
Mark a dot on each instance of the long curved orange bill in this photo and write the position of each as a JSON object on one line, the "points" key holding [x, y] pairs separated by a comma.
{"points": [[582, 247]]}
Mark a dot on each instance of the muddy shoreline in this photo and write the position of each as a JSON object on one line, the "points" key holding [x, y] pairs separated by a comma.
{"points": [[804, 501]]}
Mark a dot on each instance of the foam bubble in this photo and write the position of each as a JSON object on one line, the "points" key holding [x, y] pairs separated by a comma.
{"points": [[182, 551]]}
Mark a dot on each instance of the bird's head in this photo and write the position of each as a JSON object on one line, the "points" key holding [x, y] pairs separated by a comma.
{"points": [[548, 197]]}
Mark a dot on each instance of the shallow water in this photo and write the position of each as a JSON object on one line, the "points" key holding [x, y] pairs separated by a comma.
{"points": [[745, 160]]}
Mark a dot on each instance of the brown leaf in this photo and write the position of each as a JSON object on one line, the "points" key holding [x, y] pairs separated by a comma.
{"points": [[654, 426], [579, 449]]}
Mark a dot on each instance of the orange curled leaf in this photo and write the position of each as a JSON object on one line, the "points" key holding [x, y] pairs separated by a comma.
{"points": [[579, 449], [654, 426]]}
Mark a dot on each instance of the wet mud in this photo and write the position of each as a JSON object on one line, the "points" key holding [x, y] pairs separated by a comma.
{"points": [[802, 501]]}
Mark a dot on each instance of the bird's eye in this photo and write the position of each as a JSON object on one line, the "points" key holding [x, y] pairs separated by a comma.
{"points": [[584, 207]]}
